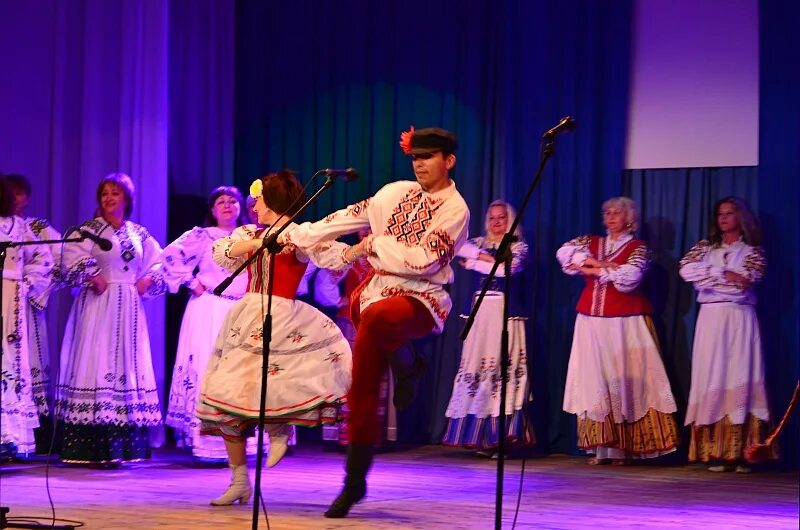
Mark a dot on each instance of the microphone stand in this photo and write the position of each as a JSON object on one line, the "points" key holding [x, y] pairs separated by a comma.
{"points": [[272, 247], [504, 256], [4, 246]]}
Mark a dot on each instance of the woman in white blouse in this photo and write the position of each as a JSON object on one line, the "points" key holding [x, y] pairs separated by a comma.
{"points": [[727, 401], [107, 397], [309, 359], [37, 336], [26, 276], [189, 261], [474, 405]]}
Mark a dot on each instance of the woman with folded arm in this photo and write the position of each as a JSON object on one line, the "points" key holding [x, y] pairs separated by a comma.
{"points": [[616, 382], [727, 399]]}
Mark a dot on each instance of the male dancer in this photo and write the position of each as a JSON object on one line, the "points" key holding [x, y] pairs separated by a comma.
{"points": [[416, 229]]}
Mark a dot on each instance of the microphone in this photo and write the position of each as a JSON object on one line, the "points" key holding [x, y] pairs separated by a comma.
{"points": [[103, 243], [347, 175], [566, 124]]}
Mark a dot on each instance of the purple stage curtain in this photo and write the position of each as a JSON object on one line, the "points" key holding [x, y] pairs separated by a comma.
{"points": [[84, 94]]}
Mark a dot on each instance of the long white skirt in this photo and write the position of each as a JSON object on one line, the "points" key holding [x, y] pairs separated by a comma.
{"points": [[727, 366], [106, 366], [476, 388], [19, 414], [615, 369], [310, 363], [201, 323]]}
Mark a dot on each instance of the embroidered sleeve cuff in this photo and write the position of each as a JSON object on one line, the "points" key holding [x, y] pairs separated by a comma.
{"points": [[159, 286], [78, 275], [227, 250]]}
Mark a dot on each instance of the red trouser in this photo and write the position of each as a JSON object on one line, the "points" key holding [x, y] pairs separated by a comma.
{"points": [[382, 328]]}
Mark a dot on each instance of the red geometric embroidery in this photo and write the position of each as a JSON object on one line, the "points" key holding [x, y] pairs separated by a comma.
{"points": [[354, 210], [402, 226], [423, 267], [441, 243]]}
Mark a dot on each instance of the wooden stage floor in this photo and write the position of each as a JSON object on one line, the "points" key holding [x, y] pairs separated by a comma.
{"points": [[427, 488]]}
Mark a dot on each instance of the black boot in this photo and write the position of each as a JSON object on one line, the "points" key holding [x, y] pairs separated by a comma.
{"points": [[407, 369], [359, 460]]}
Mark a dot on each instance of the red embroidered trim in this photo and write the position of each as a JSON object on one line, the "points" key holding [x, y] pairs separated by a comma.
{"points": [[356, 209], [427, 297], [441, 243], [419, 267]]}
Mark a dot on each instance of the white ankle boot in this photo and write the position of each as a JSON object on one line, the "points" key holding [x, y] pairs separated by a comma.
{"points": [[239, 490], [278, 442]]}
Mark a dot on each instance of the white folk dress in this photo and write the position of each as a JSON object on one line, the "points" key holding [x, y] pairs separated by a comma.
{"points": [[310, 362], [26, 275], [189, 261], [474, 405], [728, 393], [107, 396]]}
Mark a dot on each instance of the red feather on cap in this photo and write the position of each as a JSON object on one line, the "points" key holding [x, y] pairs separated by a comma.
{"points": [[405, 140]]}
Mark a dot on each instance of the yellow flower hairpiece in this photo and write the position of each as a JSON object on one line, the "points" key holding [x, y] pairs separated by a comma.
{"points": [[256, 188]]}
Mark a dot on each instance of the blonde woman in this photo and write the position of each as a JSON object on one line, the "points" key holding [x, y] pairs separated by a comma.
{"points": [[474, 405]]}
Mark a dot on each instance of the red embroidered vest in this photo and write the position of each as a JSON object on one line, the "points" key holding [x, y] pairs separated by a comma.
{"points": [[604, 300], [288, 273]]}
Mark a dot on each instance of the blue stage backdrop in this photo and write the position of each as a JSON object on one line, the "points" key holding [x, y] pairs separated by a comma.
{"points": [[778, 198], [84, 94], [189, 94], [333, 85]]}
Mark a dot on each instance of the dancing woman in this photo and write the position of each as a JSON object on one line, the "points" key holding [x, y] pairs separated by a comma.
{"points": [[309, 358]]}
